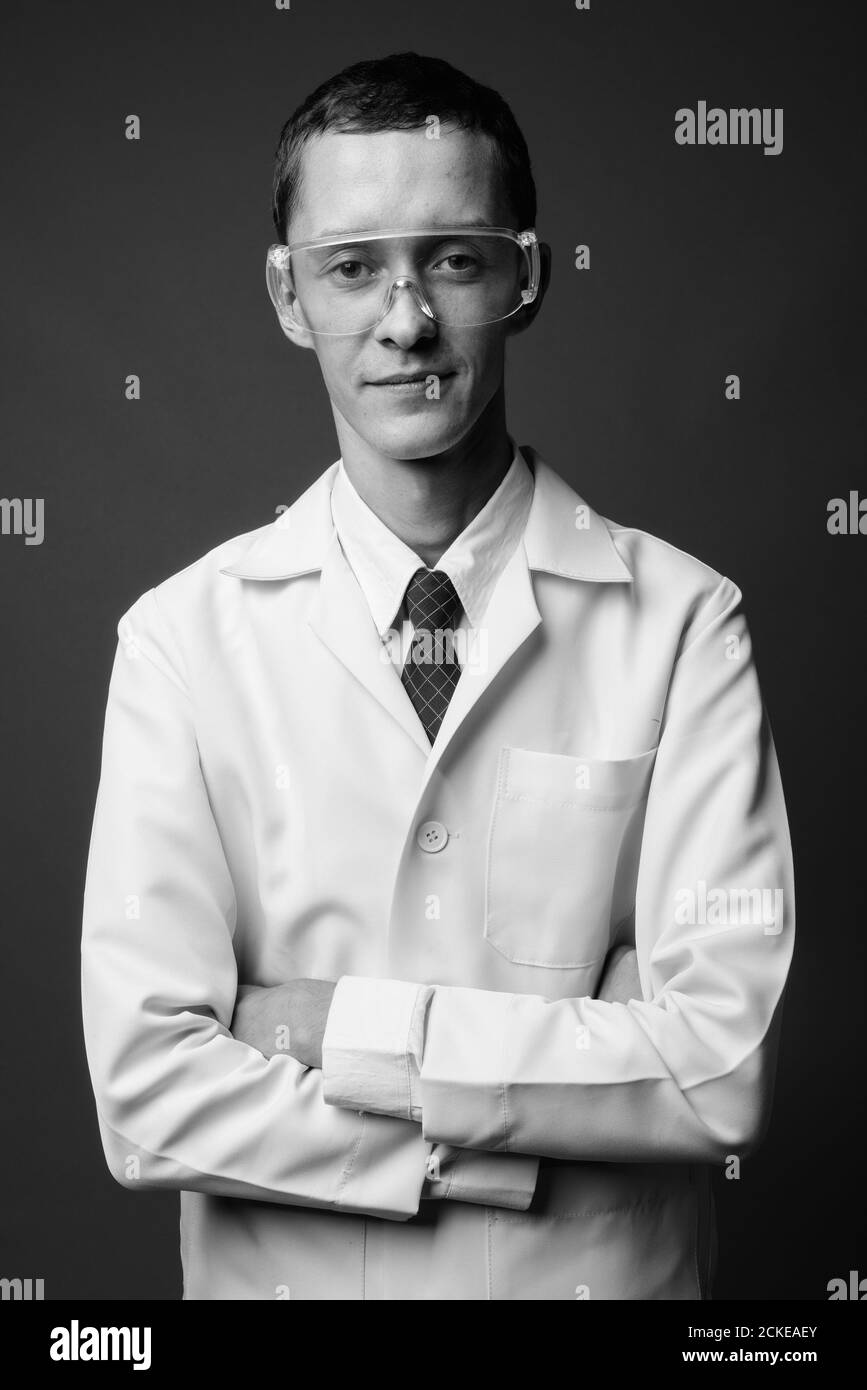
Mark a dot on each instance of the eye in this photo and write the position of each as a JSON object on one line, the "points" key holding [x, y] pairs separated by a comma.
{"points": [[459, 263], [347, 271]]}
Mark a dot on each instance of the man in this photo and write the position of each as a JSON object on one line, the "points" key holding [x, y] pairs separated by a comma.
{"points": [[395, 788]]}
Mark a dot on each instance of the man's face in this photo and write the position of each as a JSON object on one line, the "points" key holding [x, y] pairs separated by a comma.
{"points": [[403, 180]]}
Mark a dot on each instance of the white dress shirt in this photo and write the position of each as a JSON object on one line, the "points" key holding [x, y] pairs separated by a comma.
{"points": [[384, 565]]}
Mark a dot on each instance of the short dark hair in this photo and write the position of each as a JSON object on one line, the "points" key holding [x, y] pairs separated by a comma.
{"points": [[398, 93]]}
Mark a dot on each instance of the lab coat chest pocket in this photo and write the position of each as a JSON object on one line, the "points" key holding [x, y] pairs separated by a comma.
{"points": [[562, 854]]}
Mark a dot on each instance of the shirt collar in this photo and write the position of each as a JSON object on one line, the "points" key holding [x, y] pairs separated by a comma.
{"points": [[383, 564]]}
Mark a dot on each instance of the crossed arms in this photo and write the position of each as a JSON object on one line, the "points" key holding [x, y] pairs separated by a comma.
{"points": [[293, 1017]]}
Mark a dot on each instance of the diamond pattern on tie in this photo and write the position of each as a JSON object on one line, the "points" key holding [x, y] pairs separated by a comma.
{"points": [[432, 668]]}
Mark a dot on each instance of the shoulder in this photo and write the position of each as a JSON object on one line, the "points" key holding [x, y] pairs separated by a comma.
{"points": [[567, 536], [292, 544], [202, 575], [664, 575]]}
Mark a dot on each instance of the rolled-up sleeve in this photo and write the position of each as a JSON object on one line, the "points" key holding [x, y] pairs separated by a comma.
{"points": [[372, 1046]]}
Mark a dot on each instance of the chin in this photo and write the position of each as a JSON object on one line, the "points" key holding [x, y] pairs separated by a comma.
{"points": [[417, 439]]}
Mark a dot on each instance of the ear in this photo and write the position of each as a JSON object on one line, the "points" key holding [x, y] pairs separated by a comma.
{"points": [[286, 306], [295, 332], [526, 315]]}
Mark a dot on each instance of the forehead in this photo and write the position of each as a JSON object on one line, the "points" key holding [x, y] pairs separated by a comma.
{"points": [[397, 178]]}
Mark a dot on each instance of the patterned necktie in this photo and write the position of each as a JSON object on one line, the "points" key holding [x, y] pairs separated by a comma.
{"points": [[432, 669]]}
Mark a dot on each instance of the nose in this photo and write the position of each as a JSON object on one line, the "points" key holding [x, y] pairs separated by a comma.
{"points": [[405, 319]]}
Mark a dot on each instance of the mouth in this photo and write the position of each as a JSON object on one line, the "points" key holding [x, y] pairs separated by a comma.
{"points": [[410, 382]]}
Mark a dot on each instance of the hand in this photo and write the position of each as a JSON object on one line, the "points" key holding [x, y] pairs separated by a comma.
{"points": [[284, 1018], [620, 981]]}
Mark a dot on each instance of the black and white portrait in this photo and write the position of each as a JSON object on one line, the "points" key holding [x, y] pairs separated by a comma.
{"points": [[432, 593]]}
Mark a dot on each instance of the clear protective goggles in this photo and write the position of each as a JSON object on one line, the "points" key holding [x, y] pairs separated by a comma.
{"points": [[461, 277]]}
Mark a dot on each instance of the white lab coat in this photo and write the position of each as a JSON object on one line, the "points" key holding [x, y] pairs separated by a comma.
{"points": [[606, 775]]}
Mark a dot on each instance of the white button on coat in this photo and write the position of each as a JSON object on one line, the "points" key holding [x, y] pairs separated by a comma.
{"points": [[432, 836]]}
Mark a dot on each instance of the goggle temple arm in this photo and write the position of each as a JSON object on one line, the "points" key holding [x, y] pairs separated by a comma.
{"points": [[529, 242]]}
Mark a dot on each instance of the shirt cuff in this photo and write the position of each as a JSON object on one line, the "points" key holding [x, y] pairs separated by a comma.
{"points": [[373, 1046], [487, 1179]]}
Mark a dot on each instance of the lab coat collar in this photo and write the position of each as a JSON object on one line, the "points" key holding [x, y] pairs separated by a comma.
{"points": [[297, 542], [564, 536]]}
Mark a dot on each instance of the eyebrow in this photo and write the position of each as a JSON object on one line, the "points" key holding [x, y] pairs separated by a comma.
{"points": [[477, 222]]}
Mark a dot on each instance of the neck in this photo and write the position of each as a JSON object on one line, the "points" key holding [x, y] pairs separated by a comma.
{"points": [[428, 502]]}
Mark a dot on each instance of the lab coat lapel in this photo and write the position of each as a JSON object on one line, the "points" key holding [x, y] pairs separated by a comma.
{"points": [[512, 615], [340, 617], [565, 537]]}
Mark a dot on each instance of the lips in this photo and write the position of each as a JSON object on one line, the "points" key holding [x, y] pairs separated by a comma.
{"points": [[398, 380], [410, 378]]}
